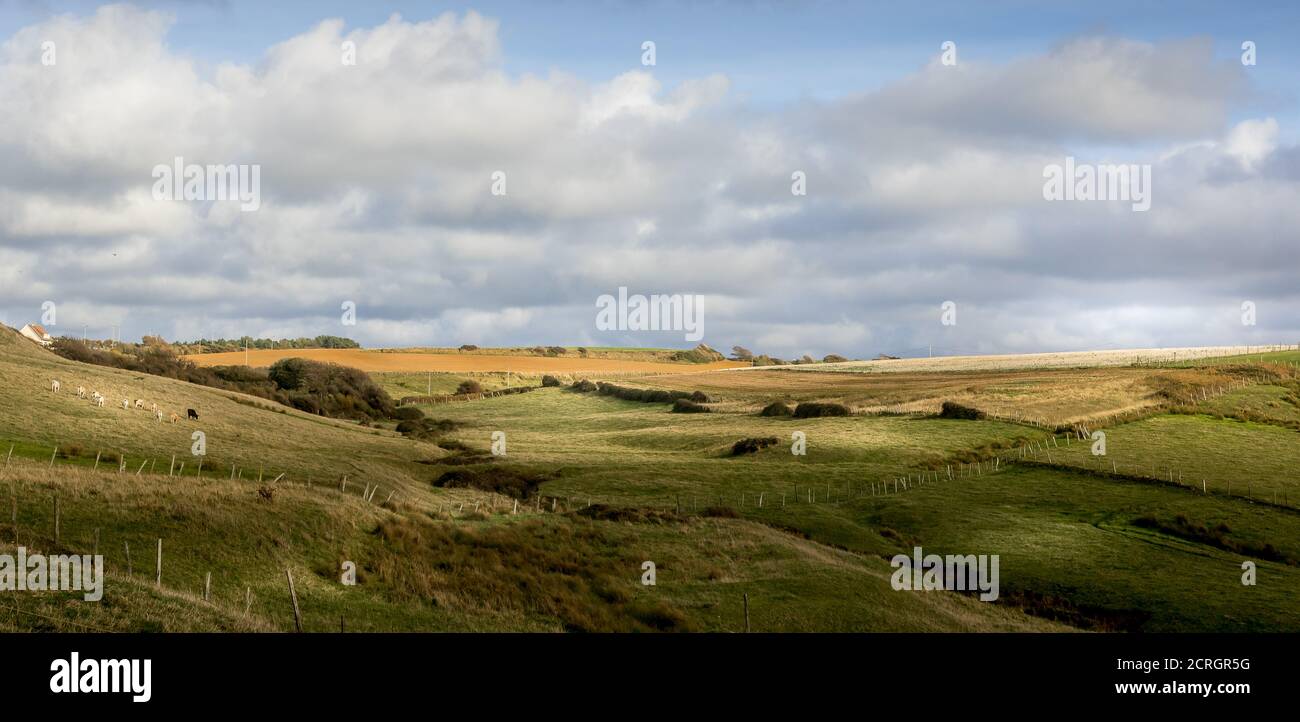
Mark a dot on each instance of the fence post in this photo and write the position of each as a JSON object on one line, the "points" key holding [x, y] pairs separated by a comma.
{"points": [[746, 613], [127, 545], [297, 617], [159, 564]]}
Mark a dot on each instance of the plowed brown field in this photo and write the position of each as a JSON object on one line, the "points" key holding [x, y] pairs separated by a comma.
{"points": [[455, 363]]}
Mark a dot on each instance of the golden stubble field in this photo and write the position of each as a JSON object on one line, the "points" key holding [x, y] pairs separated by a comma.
{"points": [[377, 361]]}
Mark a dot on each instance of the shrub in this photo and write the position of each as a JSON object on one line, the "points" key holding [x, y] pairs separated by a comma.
{"points": [[721, 512], [954, 410], [584, 385], [556, 350], [776, 408], [499, 479], [549, 380], [833, 358], [750, 446], [469, 386], [740, 353], [686, 406], [814, 409], [700, 397], [700, 354], [407, 413], [468, 347], [409, 426]]}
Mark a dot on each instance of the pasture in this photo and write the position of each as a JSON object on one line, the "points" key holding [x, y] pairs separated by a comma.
{"points": [[1098, 544]]}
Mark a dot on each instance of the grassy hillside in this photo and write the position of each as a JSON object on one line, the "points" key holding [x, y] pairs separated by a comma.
{"points": [[428, 558], [1071, 543]]}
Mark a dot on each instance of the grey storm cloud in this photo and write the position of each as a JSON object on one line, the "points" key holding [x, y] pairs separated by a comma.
{"points": [[376, 186]]}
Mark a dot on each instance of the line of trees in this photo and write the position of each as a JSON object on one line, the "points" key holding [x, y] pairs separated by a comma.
{"points": [[205, 345]]}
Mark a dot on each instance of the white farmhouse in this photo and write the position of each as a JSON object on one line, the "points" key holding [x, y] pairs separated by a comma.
{"points": [[37, 333]]}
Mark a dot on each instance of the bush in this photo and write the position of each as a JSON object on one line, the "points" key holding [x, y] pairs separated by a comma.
{"points": [[954, 410], [407, 413], [776, 408], [700, 397], [721, 512], [468, 347], [409, 427], [814, 409], [469, 386], [686, 406], [549, 380], [750, 446], [584, 386], [500, 479], [699, 355], [833, 358]]}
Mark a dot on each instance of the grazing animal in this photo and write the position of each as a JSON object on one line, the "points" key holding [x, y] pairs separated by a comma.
{"points": [[192, 414], [139, 403], [154, 408], [99, 401], [54, 385], [81, 392], [126, 404], [159, 414], [175, 418]]}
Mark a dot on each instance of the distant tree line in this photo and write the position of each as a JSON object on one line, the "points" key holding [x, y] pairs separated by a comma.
{"points": [[205, 345], [740, 353]]}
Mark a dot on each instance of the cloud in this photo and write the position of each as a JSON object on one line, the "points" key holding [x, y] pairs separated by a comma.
{"points": [[377, 188]]}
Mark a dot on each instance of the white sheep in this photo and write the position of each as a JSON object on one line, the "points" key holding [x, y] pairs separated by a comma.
{"points": [[139, 403], [126, 404], [158, 414], [54, 385], [99, 401], [154, 408]]}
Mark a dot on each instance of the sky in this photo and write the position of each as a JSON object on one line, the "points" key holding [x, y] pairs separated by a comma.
{"points": [[919, 221]]}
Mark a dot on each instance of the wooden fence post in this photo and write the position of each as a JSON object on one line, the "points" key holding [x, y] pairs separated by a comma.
{"points": [[207, 588], [297, 617], [159, 564], [746, 613]]}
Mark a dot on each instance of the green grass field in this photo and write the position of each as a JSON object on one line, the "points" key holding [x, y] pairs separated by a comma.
{"points": [[806, 538]]}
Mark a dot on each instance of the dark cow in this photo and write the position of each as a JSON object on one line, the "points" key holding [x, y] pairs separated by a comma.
{"points": [[193, 414]]}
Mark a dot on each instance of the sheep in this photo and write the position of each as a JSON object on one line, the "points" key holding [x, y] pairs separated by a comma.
{"points": [[154, 408], [159, 414], [175, 418], [81, 392], [99, 401], [54, 385], [126, 404], [139, 403]]}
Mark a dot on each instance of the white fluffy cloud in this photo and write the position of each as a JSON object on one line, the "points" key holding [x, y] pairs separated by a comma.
{"points": [[377, 177]]}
